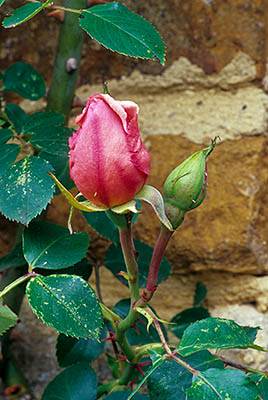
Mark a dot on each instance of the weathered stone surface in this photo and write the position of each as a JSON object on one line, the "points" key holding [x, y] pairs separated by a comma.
{"points": [[175, 294], [185, 101], [229, 231], [210, 86], [208, 33]]}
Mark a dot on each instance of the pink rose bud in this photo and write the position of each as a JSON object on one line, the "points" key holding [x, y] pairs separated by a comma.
{"points": [[108, 161]]}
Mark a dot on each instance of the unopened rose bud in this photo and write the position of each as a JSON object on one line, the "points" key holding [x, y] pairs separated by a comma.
{"points": [[108, 161], [185, 187]]}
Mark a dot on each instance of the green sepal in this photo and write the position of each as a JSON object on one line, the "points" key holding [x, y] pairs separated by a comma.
{"points": [[83, 205], [129, 206], [152, 196]]}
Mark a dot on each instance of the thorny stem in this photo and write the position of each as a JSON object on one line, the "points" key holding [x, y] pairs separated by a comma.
{"points": [[64, 79], [106, 388], [132, 270], [15, 283], [143, 350], [126, 376]]}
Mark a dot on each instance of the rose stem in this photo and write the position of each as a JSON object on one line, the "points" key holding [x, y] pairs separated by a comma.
{"points": [[158, 253], [128, 250], [63, 84]]}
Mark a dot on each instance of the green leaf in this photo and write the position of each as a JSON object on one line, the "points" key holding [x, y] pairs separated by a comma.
{"points": [[262, 384], [71, 350], [123, 395], [83, 269], [66, 303], [222, 384], [42, 119], [185, 318], [114, 261], [102, 225], [16, 115], [8, 155], [24, 80], [213, 333], [50, 246], [1, 2], [5, 135], [13, 259], [26, 189], [7, 318], [52, 139], [119, 29], [139, 335], [23, 14], [171, 380], [77, 382], [200, 294]]}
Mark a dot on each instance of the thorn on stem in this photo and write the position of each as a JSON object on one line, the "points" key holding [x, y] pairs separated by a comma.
{"points": [[139, 369], [71, 65], [123, 358]]}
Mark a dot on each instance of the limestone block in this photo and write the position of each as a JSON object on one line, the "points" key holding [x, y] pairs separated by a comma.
{"points": [[185, 101]]}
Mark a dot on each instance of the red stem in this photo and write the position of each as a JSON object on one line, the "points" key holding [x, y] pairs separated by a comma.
{"points": [[157, 256]]}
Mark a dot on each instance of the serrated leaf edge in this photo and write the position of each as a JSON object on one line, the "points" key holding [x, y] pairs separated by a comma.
{"points": [[52, 325]]}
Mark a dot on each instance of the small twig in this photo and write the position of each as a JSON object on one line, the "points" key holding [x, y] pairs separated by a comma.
{"points": [[160, 333], [17, 282], [240, 366]]}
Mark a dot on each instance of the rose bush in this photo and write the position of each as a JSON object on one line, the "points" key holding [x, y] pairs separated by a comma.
{"points": [[108, 161]]}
